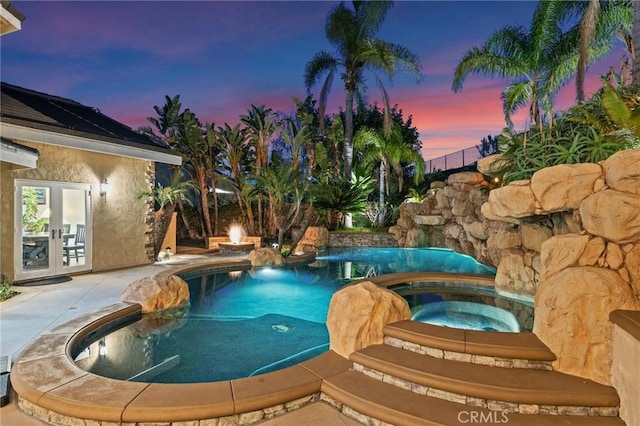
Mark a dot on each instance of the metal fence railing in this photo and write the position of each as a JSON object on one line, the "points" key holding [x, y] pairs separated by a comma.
{"points": [[458, 159]]}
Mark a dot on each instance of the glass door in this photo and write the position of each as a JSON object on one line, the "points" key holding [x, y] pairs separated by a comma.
{"points": [[52, 235]]}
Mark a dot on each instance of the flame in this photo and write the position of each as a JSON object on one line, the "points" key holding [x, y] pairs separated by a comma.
{"points": [[236, 233]]}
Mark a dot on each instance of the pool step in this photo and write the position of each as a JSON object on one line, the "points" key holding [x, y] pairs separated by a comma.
{"points": [[514, 390], [364, 398], [507, 350]]}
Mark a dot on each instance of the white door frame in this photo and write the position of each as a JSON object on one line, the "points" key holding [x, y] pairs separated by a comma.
{"points": [[56, 265]]}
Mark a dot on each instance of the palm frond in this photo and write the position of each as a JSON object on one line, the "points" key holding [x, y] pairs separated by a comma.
{"points": [[515, 96]]}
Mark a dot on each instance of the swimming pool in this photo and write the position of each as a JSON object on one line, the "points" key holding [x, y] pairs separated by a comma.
{"points": [[244, 323]]}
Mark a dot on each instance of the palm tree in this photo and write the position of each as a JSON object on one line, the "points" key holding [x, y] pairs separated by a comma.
{"points": [[213, 161], [307, 115], [197, 152], [285, 191], [165, 199], [261, 126], [168, 117], [353, 34], [599, 22], [235, 149], [167, 124], [636, 41], [390, 153], [537, 62]]}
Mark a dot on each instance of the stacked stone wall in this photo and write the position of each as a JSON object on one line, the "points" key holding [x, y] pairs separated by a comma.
{"points": [[357, 239]]}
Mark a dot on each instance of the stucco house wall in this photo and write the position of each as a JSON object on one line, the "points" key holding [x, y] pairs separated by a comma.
{"points": [[53, 139], [121, 226]]}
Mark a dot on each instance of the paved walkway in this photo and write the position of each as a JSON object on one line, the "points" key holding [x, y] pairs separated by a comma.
{"points": [[38, 309]]}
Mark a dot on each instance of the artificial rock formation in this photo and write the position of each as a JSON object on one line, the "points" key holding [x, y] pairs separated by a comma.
{"points": [[572, 318], [266, 256], [448, 217], [581, 218], [314, 239], [589, 267], [358, 313], [157, 293]]}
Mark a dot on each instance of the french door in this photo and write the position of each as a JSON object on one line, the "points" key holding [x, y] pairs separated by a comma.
{"points": [[52, 232]]}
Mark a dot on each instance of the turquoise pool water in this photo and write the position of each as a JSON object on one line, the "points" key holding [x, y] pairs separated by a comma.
{"points": [[249, 322]]}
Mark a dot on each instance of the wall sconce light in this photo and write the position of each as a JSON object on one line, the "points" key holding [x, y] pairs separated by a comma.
{"points": [[104, 187], [102, 348]]}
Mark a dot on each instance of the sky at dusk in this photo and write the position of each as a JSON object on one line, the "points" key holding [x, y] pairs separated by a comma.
{"points": [[222, 57]]}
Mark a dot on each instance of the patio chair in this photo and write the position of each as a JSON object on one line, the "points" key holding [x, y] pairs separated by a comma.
{"points": [[77, 246]]}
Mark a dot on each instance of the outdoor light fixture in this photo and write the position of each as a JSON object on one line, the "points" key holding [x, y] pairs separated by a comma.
{"points": [[104, 187]]}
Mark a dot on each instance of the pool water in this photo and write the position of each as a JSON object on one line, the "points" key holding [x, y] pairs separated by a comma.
{"points": [[248, 322], [473, 307]]}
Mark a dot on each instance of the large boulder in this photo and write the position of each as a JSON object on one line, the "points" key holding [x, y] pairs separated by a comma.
{"points": [[314, 238], [572, 318], [359, 312], [416, 238], [564, 186], [560, 252], [265, 256], [471, 178], [157, 293], [534, 234], [515, 200], [514, 276], [622, 171], [612, 215], [490, 165], [632, 260]]}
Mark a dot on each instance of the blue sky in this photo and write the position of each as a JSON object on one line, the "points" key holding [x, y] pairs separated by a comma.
{"points": [[221, 57]]}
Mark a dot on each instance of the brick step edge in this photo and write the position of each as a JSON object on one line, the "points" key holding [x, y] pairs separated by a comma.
{"points": [[381, 404], [493, 361], [503, 406]]}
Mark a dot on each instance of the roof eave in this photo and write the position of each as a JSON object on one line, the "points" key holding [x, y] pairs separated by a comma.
{"points": [[13, 131], [11, 19], [18, 155]]}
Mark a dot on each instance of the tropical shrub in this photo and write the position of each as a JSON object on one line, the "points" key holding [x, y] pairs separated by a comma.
{"points": [[339, 197], [587, 133], [5, 289]]}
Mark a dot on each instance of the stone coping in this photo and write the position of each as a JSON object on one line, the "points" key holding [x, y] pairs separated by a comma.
{"points": [[508, 345], [389, 280], [521, 386], [487, 343], [46, 376], [366, 399], [231, 264], [629, 321]]}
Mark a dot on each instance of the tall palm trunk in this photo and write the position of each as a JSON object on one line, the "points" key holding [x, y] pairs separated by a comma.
{"points": [[381, 191], [311, 155], [216, 213], [348, 134], [348, 144], [185, 221], [587, 30], [162, 220], [204, 202], [636, 41]]}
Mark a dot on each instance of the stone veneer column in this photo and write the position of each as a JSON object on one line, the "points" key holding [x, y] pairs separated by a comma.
{"points": [[149, 219]]}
